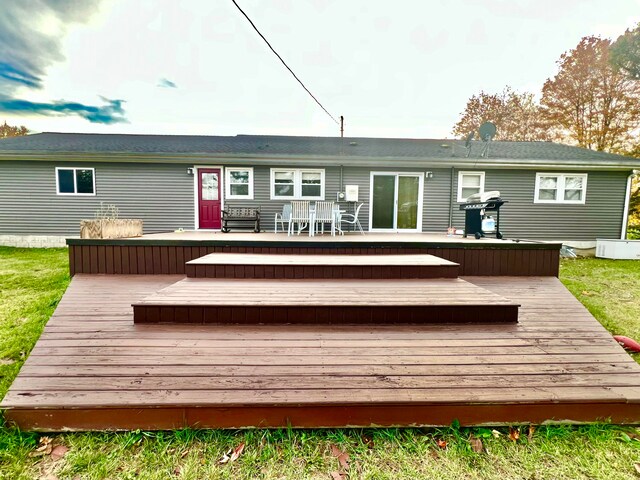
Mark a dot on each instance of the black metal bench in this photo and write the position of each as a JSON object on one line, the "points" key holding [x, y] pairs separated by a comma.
{"points": [[241, 218]]}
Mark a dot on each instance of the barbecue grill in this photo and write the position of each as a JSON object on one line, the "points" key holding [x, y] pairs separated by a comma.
{"points": [[474, 209]]}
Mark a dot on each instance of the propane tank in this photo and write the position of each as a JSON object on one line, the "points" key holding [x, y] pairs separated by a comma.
{"points": [[488, 224]]}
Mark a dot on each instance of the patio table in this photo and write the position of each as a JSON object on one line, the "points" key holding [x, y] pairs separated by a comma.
{"points": [[335, 222]]}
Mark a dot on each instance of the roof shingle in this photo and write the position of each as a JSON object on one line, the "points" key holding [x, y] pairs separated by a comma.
{"points": [[274, 146]]}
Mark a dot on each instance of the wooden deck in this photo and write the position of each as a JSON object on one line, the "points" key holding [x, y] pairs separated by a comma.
{"points": [[94, 369]]}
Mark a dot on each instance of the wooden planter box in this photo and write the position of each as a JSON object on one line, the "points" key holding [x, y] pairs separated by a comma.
{"points": [[118, 228]]}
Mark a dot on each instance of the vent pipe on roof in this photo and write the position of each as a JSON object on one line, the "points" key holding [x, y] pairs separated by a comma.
{"points": [[341, 126]]}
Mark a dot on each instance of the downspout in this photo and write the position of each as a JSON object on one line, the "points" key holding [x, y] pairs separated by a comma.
{"points": [[627, 200], [451, 198]]}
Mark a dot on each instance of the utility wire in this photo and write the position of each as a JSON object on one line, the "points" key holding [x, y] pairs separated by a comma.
{"points": [[284, 63]]}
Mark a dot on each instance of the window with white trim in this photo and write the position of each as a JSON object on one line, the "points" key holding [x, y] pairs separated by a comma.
{"points": [[292, 184], [469, 183], [75, 181], [239, 183], [561, 188]]}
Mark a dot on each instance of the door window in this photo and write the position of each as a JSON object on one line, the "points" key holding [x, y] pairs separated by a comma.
{"points": [[210, 186]]}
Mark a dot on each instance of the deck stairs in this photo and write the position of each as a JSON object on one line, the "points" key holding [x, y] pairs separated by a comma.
{"points": [[223, 288]]}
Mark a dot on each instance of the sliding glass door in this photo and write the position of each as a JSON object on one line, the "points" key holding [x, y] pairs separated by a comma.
{"points": [[396, 202]]}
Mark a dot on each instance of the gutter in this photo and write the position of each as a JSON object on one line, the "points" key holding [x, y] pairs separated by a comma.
{"points": [[627, 200], [335, 160]]}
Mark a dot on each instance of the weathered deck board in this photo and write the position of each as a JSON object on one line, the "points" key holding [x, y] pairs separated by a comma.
{"points": [[94, 369]]}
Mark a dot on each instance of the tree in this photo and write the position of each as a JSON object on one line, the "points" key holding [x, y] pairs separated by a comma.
{"points": [[7, 130], [589, 102], [625, 53], [516, 115]]}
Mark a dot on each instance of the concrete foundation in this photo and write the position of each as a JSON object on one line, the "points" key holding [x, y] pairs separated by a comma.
{"points": [[33, 241]]}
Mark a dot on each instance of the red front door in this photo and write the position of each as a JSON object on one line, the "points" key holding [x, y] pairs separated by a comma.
{"points": [[209, 198]]}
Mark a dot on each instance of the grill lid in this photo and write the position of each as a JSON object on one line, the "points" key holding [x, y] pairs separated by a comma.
{"points": [[483, 197]]}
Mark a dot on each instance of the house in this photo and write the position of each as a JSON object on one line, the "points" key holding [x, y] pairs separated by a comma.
{"points": [[50, 181]]}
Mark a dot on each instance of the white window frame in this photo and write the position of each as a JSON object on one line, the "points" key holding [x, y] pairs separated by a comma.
{"points": [[461, 174], [297, 183], [75, 182], [561, 187], [228, 183]]}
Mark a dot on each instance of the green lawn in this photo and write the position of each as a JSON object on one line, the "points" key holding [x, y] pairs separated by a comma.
{"points": [[32, 281]]}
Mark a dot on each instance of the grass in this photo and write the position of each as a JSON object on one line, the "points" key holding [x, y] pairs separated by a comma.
{"points": [[610, 289], [32, 282]]}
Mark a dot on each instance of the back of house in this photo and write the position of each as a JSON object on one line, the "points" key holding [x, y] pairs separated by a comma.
{"points": [[49, 182]]}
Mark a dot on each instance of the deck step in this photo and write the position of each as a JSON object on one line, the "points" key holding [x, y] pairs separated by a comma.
{"points": [[270, 266], [250, 301]]}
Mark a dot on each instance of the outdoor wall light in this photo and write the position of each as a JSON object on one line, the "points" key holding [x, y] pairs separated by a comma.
{"points": [[189, 170], [428, 175]]}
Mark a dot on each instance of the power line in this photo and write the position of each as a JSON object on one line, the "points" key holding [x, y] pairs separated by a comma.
{"points": [[284, 63]]}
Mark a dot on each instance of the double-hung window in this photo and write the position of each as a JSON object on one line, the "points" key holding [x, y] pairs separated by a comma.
{"points": [[239, 183], [469, 183], [75, 181], [292, 184], [561, 188]]}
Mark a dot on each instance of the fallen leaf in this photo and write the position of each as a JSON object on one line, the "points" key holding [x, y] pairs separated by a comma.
{"points": [[342, 457], [338, 475], [495, 433], [476, 444], [532, 430], [44, 447], [514, 434], [45, 441], [232, 455], [367, 440], [237, 452], [185, 453], [58, 452], [637, 467], [441, 443]]}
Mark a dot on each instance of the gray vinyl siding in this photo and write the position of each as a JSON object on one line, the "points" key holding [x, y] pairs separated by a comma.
{"points": [[160, 194], [599, 217], [163, 196], [262, 192]]}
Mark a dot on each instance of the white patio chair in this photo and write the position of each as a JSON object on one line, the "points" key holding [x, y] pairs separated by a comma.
{"points": [[324, 214], [283, 217], [299, 216], [352, 219]]}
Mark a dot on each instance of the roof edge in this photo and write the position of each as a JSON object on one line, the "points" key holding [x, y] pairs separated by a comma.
{"points": [[431, 162]]}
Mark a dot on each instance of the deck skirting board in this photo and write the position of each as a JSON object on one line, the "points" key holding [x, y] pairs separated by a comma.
{"points": [[168, 259], [326, 314], [320, 416]]}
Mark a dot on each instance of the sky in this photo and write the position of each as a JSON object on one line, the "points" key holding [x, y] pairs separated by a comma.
{"points": [[398, 68]]}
